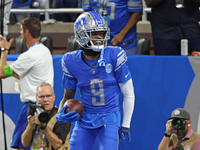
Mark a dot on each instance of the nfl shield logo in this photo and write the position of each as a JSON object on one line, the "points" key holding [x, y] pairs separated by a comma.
{"points": [[93, 71]]}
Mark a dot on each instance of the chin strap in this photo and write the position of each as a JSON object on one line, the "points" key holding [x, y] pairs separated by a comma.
{"points": [[101, 61]]}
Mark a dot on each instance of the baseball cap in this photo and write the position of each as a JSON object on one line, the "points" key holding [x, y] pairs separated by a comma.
{"points": [[180, 113]]}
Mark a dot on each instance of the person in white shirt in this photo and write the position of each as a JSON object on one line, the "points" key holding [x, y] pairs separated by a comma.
{"points": [[31, 68]]}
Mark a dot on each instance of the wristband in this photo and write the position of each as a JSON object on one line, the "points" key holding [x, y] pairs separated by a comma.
{"points": [[43, 127], [167, 135], [8, 71], [3, 49]]}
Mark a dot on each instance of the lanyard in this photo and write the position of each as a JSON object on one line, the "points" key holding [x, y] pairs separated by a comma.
{"points": [[36, 133], [34, 44]]}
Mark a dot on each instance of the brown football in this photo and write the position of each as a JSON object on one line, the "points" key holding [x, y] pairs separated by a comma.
{"points": [[74, 105]]}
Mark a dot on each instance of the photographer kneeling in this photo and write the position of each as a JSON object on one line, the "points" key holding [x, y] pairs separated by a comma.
{"points": [[184, 138], [42, 131]]}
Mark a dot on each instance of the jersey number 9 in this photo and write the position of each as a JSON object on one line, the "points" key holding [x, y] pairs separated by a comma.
{"points": [[97, 89]]}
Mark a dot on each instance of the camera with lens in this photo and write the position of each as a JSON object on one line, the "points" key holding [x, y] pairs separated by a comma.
{"points": [[39, 109], [178, 124]]}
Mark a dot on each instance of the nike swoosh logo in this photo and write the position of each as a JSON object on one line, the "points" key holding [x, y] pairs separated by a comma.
{"points": [[126, 75]]}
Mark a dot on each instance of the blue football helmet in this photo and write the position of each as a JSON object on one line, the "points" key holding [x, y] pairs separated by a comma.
{"points": [[87, 24]]}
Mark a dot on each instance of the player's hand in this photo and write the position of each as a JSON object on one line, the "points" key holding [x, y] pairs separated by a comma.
{"points": [[124, 135], [117, 39], [61, 117]]}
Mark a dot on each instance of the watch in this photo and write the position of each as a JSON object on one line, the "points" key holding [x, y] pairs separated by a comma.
{"points": [[43, 127], [167, 135], [3, 49]]}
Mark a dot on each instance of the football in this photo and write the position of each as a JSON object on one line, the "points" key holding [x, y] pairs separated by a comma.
{"points": [[74, 105]]}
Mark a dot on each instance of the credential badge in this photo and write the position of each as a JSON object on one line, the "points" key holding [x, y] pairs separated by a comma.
{"points": [[187, 148], [108, 68]]}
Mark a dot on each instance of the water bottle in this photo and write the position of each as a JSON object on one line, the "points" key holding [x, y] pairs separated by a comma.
{"points": [[107, 19], [184, 47], [180, 4]]}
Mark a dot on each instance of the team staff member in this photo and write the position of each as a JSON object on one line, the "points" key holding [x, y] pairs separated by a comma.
{"points": [[190, 140], [101, 73], [123, 16], [31, 68], [52, 135]]}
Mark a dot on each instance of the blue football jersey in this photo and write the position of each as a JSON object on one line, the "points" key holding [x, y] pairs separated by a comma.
{"points": [[119, 12], [98, 86]]}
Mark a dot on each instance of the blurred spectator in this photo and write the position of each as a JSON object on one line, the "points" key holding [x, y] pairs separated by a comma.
{"points": [[65, 17], [172, 21], [123, 16], [7, 7], [20, 4]]}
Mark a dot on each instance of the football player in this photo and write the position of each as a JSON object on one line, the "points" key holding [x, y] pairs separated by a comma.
{"points": [[100, 72]]}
